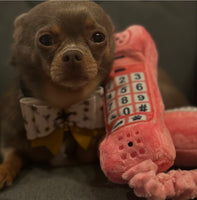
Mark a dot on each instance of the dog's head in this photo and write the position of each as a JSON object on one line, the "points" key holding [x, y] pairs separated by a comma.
{"points": [[68, 43]]}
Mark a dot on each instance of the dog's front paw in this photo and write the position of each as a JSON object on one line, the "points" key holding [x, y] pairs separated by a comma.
{"points": [[6, 175]]}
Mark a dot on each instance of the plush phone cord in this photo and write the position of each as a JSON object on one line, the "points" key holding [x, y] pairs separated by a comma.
{"points": [[176, 184]]}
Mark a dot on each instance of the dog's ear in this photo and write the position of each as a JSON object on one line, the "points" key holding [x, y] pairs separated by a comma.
{"points": [[113, 28], [18, 25], [17, 35], [19, 20]]}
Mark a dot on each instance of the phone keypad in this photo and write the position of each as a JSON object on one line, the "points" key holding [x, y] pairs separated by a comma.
{"points": [[128, 100]]}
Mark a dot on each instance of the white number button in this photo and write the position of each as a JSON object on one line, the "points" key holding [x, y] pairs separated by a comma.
{"points": [[112, 116], [118, 124], [126, 110], [124, 100], [111, 106], [143, 107], [141, 97], [120, 80], [124, 90], [110, 95], [110, 86], [139, 87], [137, 76], [135, 118]]}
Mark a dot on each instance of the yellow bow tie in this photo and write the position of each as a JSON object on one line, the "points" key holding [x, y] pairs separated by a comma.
{"points": [[53, 142]]}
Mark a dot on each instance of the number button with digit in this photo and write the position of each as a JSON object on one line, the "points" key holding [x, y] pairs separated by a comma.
{"points": [[139, 76], [124, 90], [121, 80], [141, 97]]}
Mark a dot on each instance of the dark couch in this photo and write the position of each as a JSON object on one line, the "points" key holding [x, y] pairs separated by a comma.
{"points": [[173, 26]]}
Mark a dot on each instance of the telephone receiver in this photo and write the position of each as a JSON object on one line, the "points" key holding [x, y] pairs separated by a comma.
{"points": [[133, 108]]}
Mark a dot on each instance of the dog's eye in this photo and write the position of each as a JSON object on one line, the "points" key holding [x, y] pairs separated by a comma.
{"points": [[46, 40], [98, 37]]}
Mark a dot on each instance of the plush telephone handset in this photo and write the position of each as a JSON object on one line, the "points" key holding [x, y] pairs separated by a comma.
{"points": [[138, 146], [134, 111]]}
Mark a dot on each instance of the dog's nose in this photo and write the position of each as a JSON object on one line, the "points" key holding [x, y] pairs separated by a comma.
{"points": [[72, 56]]}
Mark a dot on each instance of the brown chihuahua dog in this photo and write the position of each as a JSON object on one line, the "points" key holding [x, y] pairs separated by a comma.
{"points": [[63, 51]]}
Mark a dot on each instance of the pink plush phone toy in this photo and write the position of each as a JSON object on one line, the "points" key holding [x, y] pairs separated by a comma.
{"points": [[134, 109], [138, 147]]}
